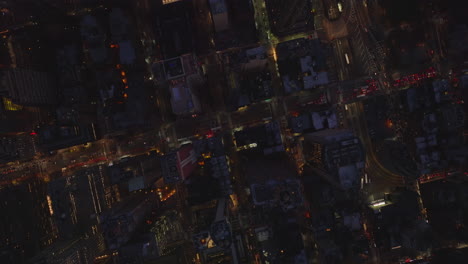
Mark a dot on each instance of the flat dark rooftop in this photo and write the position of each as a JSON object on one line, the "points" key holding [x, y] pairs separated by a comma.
{"points": [[289, 17]]}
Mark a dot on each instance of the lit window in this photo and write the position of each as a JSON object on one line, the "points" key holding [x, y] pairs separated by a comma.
{"points": [[10, 106], [49, 203], [165, 2]]}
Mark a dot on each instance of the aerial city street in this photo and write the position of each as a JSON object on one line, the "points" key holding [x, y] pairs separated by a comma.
{"points": [[233, 132]]}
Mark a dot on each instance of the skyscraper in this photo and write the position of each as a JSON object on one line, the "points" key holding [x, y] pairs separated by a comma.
{"points": [[28, 87], [26, 224], [335, 154]]}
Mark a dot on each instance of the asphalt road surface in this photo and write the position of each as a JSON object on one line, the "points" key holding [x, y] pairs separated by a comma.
{"points": [[381, 179]]}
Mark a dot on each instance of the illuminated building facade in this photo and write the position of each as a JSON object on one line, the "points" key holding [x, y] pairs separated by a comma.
{"points": [[21, 238], [8, 105], [165, 2], [169, 232], [16, 147], [77, 201], [74, 251], [121, 222]]}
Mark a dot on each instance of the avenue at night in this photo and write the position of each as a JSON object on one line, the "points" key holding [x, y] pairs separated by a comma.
{"points": [[233, 132]]}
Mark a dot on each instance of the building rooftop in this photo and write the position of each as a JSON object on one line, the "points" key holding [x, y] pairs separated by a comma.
{"points": [[348, 176], [302, 64], [330, 135]]}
